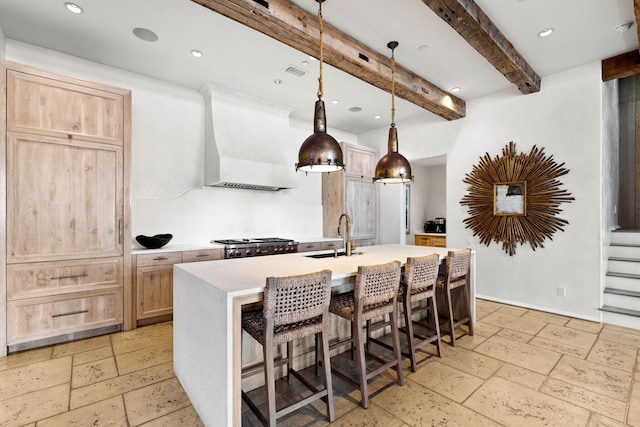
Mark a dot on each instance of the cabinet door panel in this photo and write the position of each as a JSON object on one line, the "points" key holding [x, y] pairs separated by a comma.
{"points": [[360, 162], [64, 199], [361, 207], [44, 105], [154, 291]]}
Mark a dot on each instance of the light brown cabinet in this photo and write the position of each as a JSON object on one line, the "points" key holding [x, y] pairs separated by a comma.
{"points": [[66, 163], [435, 241], [153, 281], [353, 192]]}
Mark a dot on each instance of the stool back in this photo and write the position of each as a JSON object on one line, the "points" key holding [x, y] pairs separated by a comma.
{"points": [[458, 265], [420, 274], [377, 284]]}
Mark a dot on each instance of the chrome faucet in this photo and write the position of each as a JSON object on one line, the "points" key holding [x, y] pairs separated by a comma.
{"points": [[348, 236]]}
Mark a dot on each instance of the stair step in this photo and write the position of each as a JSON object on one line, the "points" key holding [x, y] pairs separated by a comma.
{"points": [[623, 281], [624, 251], [625, 311], [621, 300], [619, 319], [625, 237], [623, 265], [624, 292]]}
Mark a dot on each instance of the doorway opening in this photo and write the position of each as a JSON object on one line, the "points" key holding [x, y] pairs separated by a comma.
{"points": [[629, 153]]}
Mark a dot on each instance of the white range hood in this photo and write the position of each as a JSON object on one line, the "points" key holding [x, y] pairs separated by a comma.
{"points": [[246, 142]]}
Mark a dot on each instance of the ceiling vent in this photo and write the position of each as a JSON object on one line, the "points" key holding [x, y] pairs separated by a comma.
{"points": [[295, 71]]}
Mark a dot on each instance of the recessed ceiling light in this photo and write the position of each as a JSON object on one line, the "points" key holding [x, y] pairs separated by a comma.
{"points": [[423, 47], [145, 34], [72, 7], [277, 81], [355, 109], [377, 116], [455, 89], [546, 32], [623, 28], [335, 101], [196, 53]]}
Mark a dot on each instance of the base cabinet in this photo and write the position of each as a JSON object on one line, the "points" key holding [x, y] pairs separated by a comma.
{"points": [[153, 282], [434, 241]]}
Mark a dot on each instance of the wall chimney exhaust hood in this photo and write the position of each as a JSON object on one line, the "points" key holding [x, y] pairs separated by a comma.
{"points": [[246, 142]]}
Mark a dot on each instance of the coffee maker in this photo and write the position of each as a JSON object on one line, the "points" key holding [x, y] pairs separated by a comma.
{"points": [[436, 226]]}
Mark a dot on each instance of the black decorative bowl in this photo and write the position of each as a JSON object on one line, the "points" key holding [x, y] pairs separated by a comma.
{"points": [[154, 242]]}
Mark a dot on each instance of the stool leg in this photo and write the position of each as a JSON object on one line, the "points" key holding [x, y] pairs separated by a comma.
{"points": [[406, 303], [447, 298], [433, 307], [361, 363], [289, 361], [270, 382], [395, 336], [328, 382]]}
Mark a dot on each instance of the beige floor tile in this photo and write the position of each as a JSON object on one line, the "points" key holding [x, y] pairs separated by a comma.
{"points": [[449, 382], [520, 324], [593, 377], [482, 313], [519, 354], [514, 335], [485, 329], [489, 306], [622, 329], [80, 346], [564, 335], [615, 355], [584, 325], [516, 311], [607, 406], [470, 362], [25, 358], [93, 372], [559, 347], [41, 375], [598, 420], [122, 384], [144, 358], [183, 417], [556, 319], [515, 405], [27, 408], [92, 355], [419, 406], [154, 401], [140, 338], [633, 419], [620, 335], [470, 342], [374, 416], [521, 376], [109, 412]]}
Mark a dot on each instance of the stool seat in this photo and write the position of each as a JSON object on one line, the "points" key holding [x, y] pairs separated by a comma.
{"points": [[253, 324]]}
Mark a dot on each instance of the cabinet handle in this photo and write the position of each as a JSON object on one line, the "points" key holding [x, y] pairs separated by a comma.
{"points": [[202, 256], [330, 245], [160, 258], [70, 314], [73, 276]]}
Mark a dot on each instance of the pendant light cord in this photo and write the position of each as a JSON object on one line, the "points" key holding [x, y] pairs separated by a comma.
{"points": [[321, 49], [393, 89]]}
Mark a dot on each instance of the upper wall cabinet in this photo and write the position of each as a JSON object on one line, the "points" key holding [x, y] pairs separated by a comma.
{"points": [[55, 107]]}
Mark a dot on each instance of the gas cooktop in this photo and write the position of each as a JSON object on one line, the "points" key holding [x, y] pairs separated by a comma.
{"points": [[240, 248]]}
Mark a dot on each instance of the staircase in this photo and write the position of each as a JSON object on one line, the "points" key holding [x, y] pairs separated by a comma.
{"points": [[621, 305]]}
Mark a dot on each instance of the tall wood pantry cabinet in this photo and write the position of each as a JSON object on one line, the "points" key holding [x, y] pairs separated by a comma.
{"points": [[65, 161], [352, 191]]}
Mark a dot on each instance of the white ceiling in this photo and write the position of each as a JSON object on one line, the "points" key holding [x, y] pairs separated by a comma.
{"points": [[245, 60]]}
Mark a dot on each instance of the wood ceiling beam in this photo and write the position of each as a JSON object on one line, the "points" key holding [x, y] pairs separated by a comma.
{"points": [[618, 67], [295, 27], [466, 17], [636, 10]]}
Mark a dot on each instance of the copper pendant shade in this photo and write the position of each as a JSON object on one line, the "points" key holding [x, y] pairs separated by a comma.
{"points": [[393, 168], [320, 152]]}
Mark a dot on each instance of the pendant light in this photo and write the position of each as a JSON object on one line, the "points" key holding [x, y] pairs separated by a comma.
{"points": [[393, 168], [320, 152]]}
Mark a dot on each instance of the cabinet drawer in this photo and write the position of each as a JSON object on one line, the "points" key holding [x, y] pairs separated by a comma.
{"points": [[159, 259], [319, 246], [37, 318], [51, 278], [201, 255]]}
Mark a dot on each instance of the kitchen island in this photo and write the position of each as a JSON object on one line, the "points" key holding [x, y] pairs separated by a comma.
{"points": [[208, 300]]}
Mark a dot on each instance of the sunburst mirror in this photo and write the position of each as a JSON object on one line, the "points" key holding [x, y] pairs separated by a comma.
{"points": [[515, 198]]}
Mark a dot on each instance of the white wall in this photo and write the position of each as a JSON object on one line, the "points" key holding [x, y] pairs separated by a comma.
{"points": [[565, 118], [168, 166], [2, 44]]}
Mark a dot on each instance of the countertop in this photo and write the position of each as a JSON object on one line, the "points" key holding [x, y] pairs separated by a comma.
{"points": [[431, 234]]}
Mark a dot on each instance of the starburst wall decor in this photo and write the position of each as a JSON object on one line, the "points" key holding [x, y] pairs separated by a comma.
{"points": [[515, 198]]}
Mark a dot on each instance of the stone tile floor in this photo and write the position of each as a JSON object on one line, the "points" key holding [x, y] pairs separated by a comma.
{"points": [[522, 368]]}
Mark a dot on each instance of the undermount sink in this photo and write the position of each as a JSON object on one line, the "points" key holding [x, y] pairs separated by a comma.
{"points": [[332, 254]]}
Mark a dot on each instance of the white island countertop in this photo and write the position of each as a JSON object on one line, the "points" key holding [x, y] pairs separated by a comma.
{"points": [[208, 300]]}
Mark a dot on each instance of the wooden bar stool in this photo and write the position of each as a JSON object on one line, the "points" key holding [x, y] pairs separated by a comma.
{"points": [[453, 286], [374, 295], [294, 307], [420, 276]]}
